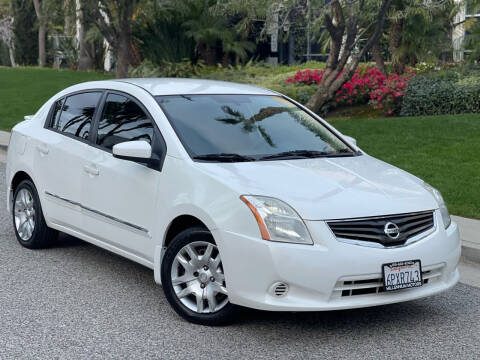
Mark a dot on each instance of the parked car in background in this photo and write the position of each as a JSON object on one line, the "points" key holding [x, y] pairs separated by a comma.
{"points": [[233, 195]]}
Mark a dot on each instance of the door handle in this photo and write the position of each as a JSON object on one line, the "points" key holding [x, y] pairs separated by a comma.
{"points": [[91, 169], [43, 149]]}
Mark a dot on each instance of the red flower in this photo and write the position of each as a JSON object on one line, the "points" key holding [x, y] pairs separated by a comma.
{"points": [[367, 84]]}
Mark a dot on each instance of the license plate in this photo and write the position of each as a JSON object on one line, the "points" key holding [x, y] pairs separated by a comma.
{"points": [[402, 275]]}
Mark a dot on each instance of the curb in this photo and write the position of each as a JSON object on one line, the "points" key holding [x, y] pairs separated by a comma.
{"points": [[4, 140], [471, 254], [470, 237]]}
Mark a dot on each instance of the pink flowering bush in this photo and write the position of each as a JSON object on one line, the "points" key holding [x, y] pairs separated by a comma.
{"points": [[307, 77], [388, 96], [368, 85], [357, 90]]}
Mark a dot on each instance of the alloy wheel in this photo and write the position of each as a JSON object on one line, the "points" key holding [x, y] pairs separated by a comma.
{"points": [[24, 211], [198, 279]]}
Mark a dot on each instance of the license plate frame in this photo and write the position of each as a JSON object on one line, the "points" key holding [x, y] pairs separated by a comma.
{"points": [[394, 275]]}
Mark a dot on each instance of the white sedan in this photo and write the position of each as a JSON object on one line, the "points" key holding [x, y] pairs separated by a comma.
{"points": [[232, 194]]}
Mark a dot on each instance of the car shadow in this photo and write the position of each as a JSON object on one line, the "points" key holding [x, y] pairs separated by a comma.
{"points": [[67, 241], [364, 317]]}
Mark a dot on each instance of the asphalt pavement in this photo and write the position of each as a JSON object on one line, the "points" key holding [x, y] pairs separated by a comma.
{"points": [[77, 301]]}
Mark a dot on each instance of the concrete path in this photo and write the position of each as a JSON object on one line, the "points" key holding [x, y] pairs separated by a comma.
{"points": [[469, 228], [4, 140], [470, 235], [469, 272]]}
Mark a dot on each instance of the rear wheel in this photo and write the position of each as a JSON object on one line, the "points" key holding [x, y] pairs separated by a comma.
{"points": [[28, 221], [193, 279]]}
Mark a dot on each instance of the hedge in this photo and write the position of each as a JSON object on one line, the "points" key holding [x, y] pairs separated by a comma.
{"points": [[436, 96]]}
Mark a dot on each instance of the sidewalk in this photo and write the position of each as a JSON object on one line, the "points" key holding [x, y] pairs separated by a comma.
{"points": [[4, 140], [470, 236], [469, 228]]}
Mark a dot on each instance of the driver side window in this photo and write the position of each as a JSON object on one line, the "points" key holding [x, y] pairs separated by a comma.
{"points": [[123, 120]]}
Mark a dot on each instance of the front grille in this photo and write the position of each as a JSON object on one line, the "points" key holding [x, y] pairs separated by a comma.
{"points": [[373, 229], [374, 285]]}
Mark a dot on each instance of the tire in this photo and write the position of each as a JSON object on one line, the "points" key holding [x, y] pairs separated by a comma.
{"points": [[198, 293], [27, 210]]}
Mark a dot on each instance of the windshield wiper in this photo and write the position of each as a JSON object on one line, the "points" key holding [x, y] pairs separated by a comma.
{"points": [[224, 157], [304, 154]]}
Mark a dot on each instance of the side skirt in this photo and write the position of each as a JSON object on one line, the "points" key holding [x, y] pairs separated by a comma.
{"points": [[103, 245]]}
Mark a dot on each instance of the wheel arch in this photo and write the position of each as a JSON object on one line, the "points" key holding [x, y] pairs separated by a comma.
{"points": [[19, 176], [178, 224]]}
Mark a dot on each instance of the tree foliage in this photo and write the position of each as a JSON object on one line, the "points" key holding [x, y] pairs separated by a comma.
{"points": [[24, 29], [353, 28]]}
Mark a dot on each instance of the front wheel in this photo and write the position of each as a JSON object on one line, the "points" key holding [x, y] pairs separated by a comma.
{"points": [[193, 279]]}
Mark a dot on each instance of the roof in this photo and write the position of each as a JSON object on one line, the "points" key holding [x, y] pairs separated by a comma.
{"points": [[177, 86]]}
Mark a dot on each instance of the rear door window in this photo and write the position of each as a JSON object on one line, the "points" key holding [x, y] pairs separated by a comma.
{"points": [[76, 114]]}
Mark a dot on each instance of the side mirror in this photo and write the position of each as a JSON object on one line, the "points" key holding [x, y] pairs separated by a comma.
{"points": [[138, 151], [350, 140]]}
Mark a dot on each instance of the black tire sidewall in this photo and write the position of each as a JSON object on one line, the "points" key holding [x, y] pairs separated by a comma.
{"points": [[221, 317], [41, 237]]}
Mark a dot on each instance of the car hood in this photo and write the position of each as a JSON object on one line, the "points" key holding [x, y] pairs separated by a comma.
{"points": [[328, 188]]}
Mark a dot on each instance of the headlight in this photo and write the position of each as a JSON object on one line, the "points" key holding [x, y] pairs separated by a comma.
{"points": [[277, 220], [441, 204]]}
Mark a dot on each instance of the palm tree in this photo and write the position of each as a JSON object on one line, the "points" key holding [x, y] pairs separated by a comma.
{"points": [[205, 28], [419, 30], [472, 40], [239, 48]]}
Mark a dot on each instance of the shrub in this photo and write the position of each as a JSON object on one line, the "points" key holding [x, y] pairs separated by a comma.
{"points": [[425, 67], [306, 77], [182, 69], [388, 95], [357, 91], [435, 96], [300, 93], [368, 85]]}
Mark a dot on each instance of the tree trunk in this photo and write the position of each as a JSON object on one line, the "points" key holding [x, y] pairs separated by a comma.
{"points": [[11, 53], [341, 64], [226, 59], [202, 52], [42, 47], [85, 60], [396, 37], [123, 54], [42, 32], [211, 55], [291, 49], [85, 50], [378, 57], [68, 22], [8, 37], [124, 39], [321, 97]]}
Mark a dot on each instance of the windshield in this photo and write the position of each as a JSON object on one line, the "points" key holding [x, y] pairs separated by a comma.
{"points": [[248, 128]]}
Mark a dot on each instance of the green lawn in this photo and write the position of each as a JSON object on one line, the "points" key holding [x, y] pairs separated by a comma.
{"points": [[24, 90], [442, 150]]}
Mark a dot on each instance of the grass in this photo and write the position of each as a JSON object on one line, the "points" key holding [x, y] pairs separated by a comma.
{"points": [[442, 150], [24, 90]]}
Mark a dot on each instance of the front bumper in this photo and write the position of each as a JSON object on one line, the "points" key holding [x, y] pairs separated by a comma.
{"points": [[318, 275]]}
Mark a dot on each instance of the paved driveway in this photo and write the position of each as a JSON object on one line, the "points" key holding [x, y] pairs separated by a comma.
{"points": [[78, 301]]}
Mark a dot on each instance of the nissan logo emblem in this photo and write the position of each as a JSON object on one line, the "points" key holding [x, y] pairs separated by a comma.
{"points": [[391, 230]]}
